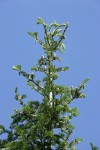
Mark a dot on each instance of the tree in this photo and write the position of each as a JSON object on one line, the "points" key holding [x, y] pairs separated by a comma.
{"points": [[46, 124]]}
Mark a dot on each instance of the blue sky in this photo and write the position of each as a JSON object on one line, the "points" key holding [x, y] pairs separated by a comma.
{"points": [[82, 55]]}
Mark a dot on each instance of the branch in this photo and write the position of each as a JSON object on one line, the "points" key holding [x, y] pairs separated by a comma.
{"points": [[45, 30], [61, 38]]}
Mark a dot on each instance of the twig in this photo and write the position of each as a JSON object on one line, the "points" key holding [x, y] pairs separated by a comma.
{"points": [[61, 38]]}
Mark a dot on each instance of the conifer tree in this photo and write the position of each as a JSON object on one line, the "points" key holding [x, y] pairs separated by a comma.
{"points": [[45, 124]]}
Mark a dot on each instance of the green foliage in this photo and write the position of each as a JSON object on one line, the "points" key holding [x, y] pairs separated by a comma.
{"points": [[93, 147], [18, 68], [46, 124]]}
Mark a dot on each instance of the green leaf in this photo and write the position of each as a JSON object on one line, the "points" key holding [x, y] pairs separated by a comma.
{"points": [[82, 95], [2, 128], [74, 112], [33, 34], [65, 68], [67, 24], [82, 85], [16, 90], [40, 21], [86, 80], [24, 96], [18, 68], [62, 47], [55, 24], [93, 147], [78, 140], [49, 134], [57, 32]]}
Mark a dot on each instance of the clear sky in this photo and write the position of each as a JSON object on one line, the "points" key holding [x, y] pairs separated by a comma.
{"points": [[82, 55]]}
